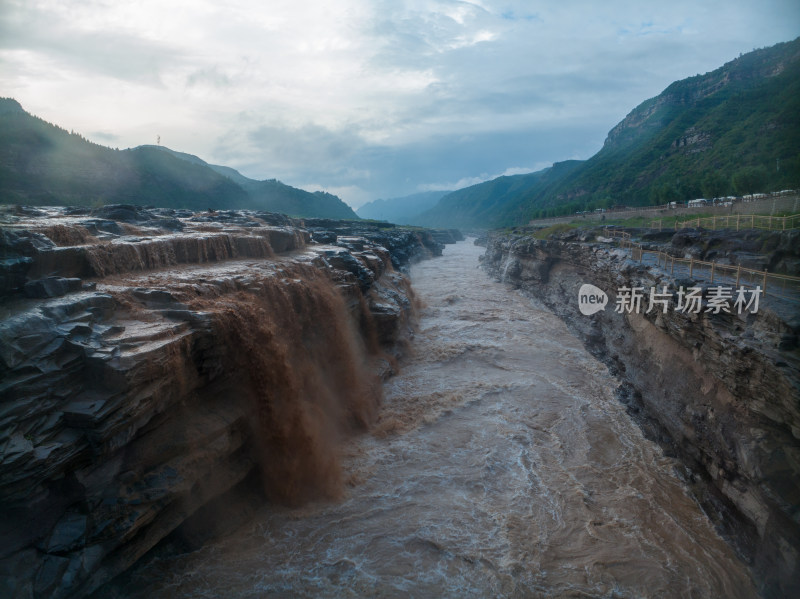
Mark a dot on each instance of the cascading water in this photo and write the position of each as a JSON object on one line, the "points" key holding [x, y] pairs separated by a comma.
{"points": [[305, 370], [500, 464], [160, 252]]}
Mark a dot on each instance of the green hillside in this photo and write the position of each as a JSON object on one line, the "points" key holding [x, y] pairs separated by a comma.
{"points": [[42, 164], [707, 135], [734, 130], [273, 196]]}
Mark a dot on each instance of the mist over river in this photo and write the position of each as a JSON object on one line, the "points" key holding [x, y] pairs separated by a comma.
{"points": [[501, 464]]}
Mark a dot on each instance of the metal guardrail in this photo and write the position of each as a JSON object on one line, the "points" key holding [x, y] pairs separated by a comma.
{"points": [[781, 286], [737, 221]]}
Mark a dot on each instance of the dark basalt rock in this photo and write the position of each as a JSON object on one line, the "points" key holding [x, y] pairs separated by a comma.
{"points": [[126, 213], [347, 262], [51, 287], [98, 226], [17, 249], [13, 274], [322, 235], [175, 225], [22, 243]]}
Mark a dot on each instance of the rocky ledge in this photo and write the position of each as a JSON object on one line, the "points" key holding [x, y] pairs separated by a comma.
{"points": [[719, 391], [163, 370]]}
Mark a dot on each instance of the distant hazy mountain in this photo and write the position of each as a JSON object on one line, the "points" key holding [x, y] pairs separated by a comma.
{"points": [[404, 210], [497, 202], [43, 164], [733, 130]]}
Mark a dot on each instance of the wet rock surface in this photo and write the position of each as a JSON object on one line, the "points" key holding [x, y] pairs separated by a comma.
{"points": [[125, 404], [719, 391]]}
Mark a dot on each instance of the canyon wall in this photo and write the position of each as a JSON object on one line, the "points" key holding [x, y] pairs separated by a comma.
{"points": [[163, 372], [721, 392]]}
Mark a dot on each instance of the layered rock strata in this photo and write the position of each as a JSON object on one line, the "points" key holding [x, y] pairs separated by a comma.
{"points": [[157, 366], [719, 391]]}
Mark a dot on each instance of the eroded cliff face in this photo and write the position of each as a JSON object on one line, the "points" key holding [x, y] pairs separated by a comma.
{"points": [[162, 369], [720, 391]]}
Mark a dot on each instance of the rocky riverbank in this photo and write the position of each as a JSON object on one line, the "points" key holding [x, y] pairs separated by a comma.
{"points": [[721, 391], [163, 371]]}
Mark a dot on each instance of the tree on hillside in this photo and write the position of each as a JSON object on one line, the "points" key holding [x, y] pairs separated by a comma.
{"points": [[664, 194], [750, 179], [714, 185]]}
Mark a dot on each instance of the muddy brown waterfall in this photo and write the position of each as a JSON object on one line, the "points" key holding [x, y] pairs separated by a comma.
{"points": [[306, 373], [500, 463]]}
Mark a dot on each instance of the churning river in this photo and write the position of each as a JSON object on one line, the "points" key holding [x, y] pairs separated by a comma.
{"points": [[501, 465]]}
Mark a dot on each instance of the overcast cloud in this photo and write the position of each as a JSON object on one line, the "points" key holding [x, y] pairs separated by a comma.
{"points": [[366, 98]]}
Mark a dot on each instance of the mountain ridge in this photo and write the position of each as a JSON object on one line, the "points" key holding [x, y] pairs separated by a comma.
{"points": [[707, 135], [42, 163], [277, 196]]}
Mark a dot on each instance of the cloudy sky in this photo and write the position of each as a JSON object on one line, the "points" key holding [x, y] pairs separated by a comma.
{"points": [[367, 98]]}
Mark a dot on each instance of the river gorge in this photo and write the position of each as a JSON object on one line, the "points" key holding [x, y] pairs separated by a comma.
{"points": [[500, 464], [233, 405]]}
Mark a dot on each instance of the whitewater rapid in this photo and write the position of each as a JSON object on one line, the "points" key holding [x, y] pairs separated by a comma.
{"points": [[501, 465]]}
